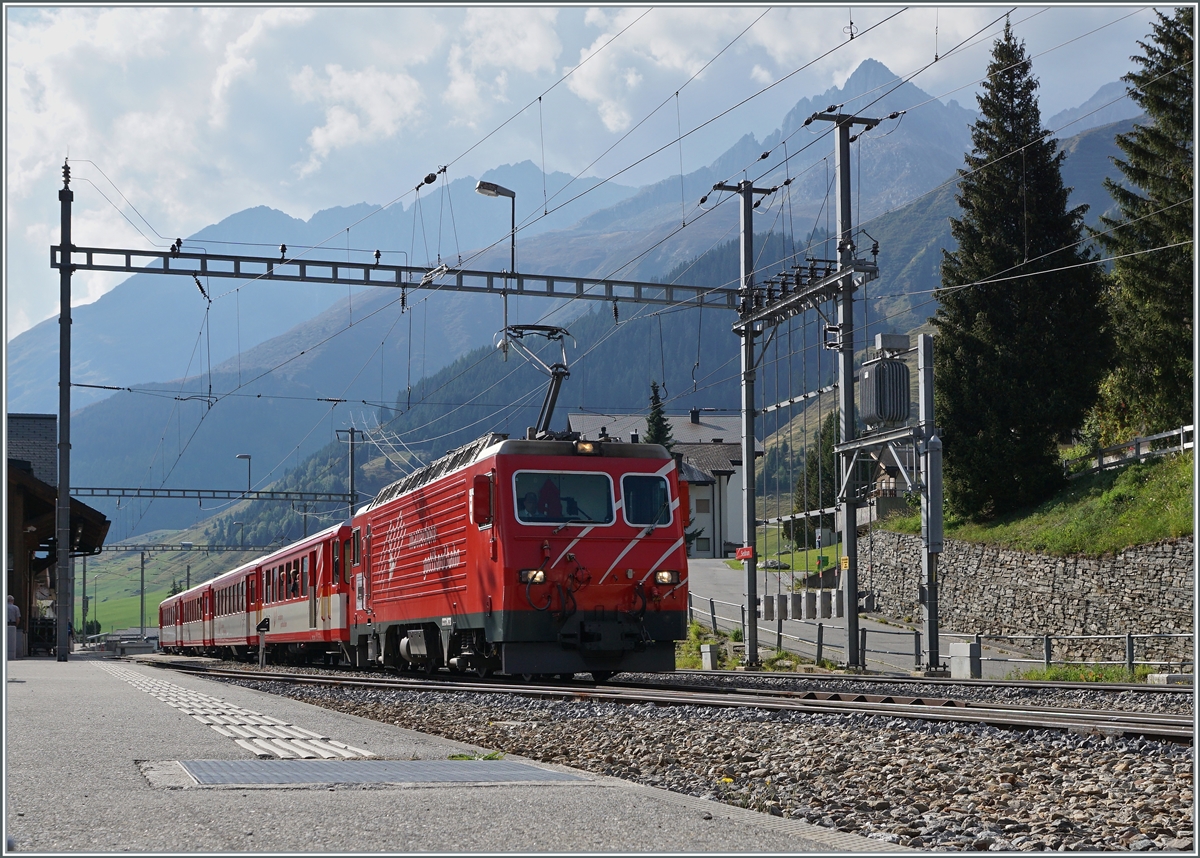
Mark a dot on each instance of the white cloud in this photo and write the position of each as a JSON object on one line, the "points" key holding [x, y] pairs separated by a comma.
{"points": [[360, 106], [511, 40], [238, 58]]}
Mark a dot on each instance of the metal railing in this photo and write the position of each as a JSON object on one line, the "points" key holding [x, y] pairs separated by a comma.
{"points": [[718, 621], [1132, 451], [1130, 662]]}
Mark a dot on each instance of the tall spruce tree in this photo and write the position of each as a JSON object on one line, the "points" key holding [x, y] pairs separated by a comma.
{"points": [[1020, 345], [658, 428], [1151, 284]]}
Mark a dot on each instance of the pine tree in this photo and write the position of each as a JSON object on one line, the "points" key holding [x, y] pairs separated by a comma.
{"points": [[1019, 354], [1150, 286], [658, 428]]}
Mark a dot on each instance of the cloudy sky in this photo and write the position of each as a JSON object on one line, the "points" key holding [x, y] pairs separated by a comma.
{"points": [[194, 113]]}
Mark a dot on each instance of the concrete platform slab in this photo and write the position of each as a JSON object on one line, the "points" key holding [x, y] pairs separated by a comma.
{"points": [[92, 764]]}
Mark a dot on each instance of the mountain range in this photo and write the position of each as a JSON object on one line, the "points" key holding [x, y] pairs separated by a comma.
{"points": [[278, 355]]}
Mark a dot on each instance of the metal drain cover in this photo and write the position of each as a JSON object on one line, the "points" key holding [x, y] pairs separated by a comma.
{"points": [[270, 772]]}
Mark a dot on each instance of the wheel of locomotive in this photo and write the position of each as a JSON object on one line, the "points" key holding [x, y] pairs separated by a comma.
{"points": [[483, 670], [603, 675]]}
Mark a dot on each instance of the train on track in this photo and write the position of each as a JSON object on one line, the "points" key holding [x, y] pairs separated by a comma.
{"points": [[535, 556]]}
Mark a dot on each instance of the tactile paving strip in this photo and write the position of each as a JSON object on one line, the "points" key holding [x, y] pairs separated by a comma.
{"points": [[261, 735], [273, 772]]}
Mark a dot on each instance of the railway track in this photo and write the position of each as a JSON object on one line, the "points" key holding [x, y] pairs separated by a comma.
{"points": [[1172, 727], [933, 681]]}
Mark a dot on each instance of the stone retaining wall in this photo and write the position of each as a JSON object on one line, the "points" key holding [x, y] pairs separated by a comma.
{"points": [[984, 589]]}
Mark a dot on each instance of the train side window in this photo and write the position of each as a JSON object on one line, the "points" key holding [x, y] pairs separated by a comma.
{"points": [[357, 547], [346, 561], [336, 567], [303, 576]]}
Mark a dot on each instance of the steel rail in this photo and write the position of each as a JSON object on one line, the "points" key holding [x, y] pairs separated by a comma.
{"points": [[1107, 687], [1102, 722]]}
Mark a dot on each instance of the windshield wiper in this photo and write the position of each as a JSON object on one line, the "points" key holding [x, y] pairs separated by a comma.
{"points": [[583, 516]]}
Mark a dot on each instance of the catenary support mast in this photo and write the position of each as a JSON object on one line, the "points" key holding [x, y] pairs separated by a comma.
{"points": [[62, 519]]}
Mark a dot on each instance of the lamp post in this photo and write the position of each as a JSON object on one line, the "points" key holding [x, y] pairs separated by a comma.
{"points": [[246, 456], [241, 533], [491, 189]]}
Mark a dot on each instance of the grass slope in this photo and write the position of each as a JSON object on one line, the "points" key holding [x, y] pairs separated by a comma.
{"points": [[1097, 514]]}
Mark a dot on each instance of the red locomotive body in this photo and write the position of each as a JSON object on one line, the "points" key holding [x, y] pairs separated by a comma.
{"points": [[521, 556], [525, 556]]}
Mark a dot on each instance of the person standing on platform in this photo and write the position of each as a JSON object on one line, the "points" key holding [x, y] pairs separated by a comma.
{"points": [[14, 620]]}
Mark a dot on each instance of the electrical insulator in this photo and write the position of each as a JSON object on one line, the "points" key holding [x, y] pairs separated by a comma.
{"points": [[616, 314], [403, 298], [377, 255], [770, 291], [282, 251]]}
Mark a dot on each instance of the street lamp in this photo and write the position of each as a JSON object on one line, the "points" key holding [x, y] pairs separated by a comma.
{"points": [[491, 189], [241, 533], [246, 456]]}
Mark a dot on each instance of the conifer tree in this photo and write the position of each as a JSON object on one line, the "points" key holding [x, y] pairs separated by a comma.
{"points": [[1151, 283], [1020, 345], [658, 428]]}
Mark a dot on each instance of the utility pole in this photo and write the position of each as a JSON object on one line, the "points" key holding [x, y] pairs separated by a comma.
{"points": [[62, 523], [85, 602], [142, 594], [931, 499], [749, 510], [350, 433], [845, 343]]}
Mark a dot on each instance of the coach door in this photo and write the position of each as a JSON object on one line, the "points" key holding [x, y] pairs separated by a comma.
{"points": [[308, 569], [207, 611]]}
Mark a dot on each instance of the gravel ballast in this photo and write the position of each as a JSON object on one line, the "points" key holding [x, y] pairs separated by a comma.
{"points": [[948, 787]]}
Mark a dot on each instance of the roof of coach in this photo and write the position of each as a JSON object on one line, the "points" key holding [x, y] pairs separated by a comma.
{"points": [[300, 544], [495, 444]]}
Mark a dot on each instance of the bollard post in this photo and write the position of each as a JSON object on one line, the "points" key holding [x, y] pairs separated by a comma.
{"points": [[820, 641], [862, 648], [1047, 651], [917, 649], [779, 632], [1129, 654], [712, 613]]}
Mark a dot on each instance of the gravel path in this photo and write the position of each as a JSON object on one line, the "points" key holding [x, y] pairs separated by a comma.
{"points": [[936, 786]]}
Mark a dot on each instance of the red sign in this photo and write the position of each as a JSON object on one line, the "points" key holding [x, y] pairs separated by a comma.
{"points": [[746, 553]]}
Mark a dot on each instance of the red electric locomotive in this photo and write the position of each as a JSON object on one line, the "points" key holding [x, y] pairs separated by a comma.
{"points": [[526, 557]]}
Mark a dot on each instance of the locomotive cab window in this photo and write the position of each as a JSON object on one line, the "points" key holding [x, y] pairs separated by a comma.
{"points": [[356, 547], [544, 497], [647, 499]]}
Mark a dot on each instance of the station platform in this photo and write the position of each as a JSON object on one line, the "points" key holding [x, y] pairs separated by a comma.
{"points": [[105, 755]]}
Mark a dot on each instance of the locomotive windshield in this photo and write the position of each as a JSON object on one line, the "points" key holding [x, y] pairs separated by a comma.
{"points": [[546, 497], [647, 500]]}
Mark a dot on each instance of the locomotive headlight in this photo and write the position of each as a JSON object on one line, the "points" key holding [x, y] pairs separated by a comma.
{"points": [[666, 576], [586, 448], [532, 576]]}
